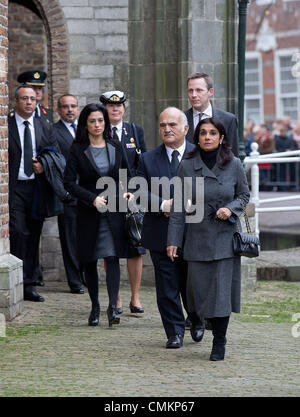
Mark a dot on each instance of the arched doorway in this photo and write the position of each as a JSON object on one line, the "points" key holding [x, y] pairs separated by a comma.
{"points": [[38, 39]]}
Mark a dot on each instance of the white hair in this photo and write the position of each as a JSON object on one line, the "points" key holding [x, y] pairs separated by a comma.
{"points": [[183, 116]]}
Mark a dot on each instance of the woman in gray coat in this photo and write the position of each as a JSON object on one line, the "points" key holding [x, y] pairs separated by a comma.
{"points": [[214, 272]]}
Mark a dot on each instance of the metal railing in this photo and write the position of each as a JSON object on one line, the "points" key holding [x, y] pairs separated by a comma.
{"points": [[251, 162]]}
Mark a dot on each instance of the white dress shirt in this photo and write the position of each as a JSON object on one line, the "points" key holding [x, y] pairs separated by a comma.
{"points": [[119, 130], [205, 114], [169, 150], [21, 129], [181, 150]]}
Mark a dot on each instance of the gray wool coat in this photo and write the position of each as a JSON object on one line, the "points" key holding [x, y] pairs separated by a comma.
{"points": [[210, 239]]}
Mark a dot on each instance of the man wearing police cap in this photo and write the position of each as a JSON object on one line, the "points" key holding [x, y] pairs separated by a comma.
{"points": [[132, 138], [37, 80]]}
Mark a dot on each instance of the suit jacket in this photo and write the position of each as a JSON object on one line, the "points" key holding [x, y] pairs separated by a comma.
{"points": [[211, 238], [44, 136], [229, 122], [81, 165], [155, 163], [63, 137], [129, 143]]}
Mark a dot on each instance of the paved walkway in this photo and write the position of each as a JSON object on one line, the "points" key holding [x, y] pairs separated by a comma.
{"points": [[50, 351]]}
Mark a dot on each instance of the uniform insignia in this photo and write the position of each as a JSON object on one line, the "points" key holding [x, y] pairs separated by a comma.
{"points": [[130, 145], [115, 98], [131, 140], [36, 75], [12, 113], [43, 111]]}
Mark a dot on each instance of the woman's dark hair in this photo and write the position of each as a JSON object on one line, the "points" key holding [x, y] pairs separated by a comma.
{"points": [[82, 133], [224, 153]]}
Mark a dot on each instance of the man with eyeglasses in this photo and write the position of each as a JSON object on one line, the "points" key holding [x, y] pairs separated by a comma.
{"points": [[27, 136], [65, 130], [37, 80]]}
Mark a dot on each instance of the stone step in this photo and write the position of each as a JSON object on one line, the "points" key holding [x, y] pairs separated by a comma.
{"points": [[279, 265]]}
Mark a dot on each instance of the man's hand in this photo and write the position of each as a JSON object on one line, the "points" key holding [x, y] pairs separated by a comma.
{"points": [[172, 252], [166, 207], [37, 166]]}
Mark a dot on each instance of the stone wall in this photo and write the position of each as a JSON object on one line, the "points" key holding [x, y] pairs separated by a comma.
{"points": [[11, 274]]}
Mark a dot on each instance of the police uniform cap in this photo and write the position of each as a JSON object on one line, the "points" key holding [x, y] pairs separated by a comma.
{"points": [[113, 97], [33, 77]]}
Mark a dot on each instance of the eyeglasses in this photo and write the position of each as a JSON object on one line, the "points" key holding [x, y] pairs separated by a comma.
{"points": [[26, 98]]}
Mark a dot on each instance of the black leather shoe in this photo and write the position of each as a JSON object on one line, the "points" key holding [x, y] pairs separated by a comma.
{"points": [[112, 315], [174, 342], [77, 291], [120, 310], [30, 294], [135, 309], [197, 332], [94, 316], [218, 351]]}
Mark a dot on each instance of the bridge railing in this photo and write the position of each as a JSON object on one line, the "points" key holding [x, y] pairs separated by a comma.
{"points": [[251, 163]]}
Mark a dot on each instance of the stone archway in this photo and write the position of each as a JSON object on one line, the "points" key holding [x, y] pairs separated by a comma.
{"points": [[38, 39]]}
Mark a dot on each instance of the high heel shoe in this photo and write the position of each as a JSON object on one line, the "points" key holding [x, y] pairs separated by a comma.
{"points": [[113, 317], [94, 317], [135, 309]]}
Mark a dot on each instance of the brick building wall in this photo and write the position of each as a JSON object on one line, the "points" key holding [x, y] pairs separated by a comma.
{"points": [[273, 40], [27, 43], [4, 246]]}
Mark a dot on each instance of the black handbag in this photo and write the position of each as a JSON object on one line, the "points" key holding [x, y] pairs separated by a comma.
{"points": [[245, 244], [133, 225]]}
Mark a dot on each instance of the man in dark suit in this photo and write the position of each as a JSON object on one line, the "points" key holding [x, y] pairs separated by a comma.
{"points": [[134, 144], [170, 277], [27, 136], [37, 80], [65, 130], [200, 89]]}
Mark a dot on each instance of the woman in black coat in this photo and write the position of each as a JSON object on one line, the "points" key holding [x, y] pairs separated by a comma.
{"points": [[100, 232]]}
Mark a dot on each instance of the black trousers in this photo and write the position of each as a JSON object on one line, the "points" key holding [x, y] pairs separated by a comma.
{"points": [[170, 282], [24, 231], [112, 280], [67, 235]]}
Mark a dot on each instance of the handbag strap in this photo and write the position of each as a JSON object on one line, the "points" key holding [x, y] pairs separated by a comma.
{"points": [[245, 217]]}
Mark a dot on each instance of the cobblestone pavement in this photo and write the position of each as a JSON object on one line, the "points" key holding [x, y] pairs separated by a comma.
{"points": [[50, 351]]}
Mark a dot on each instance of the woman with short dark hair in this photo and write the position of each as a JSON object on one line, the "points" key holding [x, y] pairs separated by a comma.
{"points": [[99, 234]]}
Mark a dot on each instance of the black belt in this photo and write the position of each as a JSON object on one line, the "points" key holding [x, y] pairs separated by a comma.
{"points": [[26, 181]]}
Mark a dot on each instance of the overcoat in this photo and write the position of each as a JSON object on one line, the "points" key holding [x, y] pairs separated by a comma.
{"points": [[211, 238], [80, 179]]}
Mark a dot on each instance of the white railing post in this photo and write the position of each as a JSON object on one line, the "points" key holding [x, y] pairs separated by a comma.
{"points": [[255, 184]]}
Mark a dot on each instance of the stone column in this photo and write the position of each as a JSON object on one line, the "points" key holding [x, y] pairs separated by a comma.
{"points": [[11, 273], [169, 40]]}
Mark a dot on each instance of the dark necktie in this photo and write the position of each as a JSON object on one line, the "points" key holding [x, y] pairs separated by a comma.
{"points": [[200, 117], [36, 113], [115, 135], [27, 150], [74, 127], [174, 163]]}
